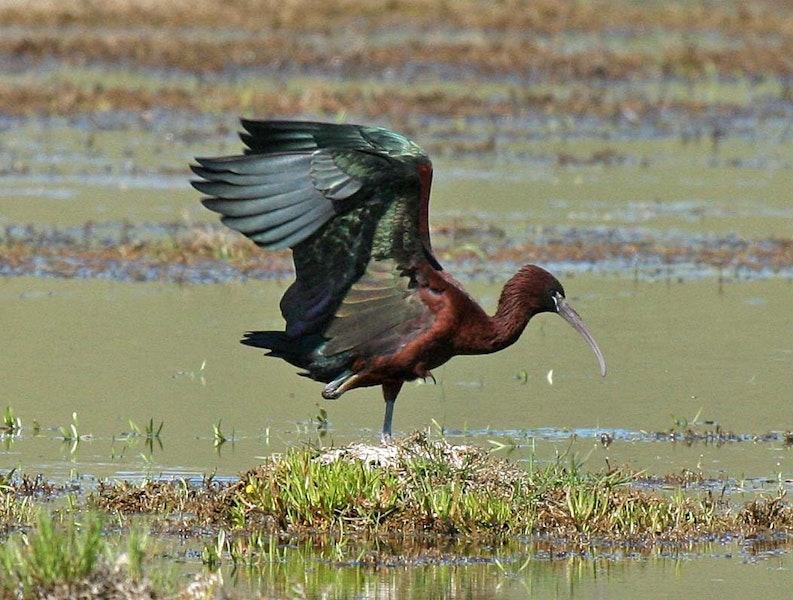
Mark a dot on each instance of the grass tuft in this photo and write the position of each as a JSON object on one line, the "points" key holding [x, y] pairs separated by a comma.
{"points": [[71, 560], [423, 487], [301, 493], [418, 488]]}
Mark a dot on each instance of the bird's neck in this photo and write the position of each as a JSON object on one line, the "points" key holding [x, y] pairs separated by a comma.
{"points": [[516, 306]]}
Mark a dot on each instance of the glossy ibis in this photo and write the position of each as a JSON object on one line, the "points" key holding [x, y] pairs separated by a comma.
{"points": [[370, 305]]}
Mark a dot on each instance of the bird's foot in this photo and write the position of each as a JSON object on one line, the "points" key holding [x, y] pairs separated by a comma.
{"points": [[339, 385]]}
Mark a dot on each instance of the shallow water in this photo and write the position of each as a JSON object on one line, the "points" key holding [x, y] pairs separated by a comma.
{"points": [[730, 569], [114, 352], [687, 347]]}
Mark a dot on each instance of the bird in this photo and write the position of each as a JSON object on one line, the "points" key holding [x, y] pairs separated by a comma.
{"points": [[370, 304]]}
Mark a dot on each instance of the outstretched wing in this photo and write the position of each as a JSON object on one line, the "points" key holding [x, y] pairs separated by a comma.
{"points": [[351, 201]]}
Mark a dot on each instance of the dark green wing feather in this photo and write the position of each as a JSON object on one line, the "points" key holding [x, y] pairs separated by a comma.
{"points": [[351, 202]]}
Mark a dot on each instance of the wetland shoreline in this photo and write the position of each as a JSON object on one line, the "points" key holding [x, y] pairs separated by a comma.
{"points": [[644, 141]]}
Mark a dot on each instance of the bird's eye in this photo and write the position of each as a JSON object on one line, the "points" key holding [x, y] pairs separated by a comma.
{"points": [[556, 296]]}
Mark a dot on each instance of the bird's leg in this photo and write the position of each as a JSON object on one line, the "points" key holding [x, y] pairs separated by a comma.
{"points": [[390, 393]]}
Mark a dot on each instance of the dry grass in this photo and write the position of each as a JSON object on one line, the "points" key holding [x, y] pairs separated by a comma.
{"points": [[542, 16], [129, 253], [356, 41]]}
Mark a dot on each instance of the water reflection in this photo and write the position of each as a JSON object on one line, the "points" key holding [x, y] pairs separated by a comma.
{"points": [[443, 569]]}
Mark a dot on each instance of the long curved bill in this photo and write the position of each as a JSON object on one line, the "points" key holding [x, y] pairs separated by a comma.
{"points": [[566, 311]]}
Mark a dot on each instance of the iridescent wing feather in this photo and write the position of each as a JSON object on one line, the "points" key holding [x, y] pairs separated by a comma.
{"points": [[351, 202]]}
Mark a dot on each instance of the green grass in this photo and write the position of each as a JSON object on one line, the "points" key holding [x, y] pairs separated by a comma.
{"points": [[71, 554], [301, 493], [431, 488], [420, 487], [355, 505], [50, 556]]}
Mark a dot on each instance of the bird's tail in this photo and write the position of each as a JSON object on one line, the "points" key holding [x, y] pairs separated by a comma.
{"points": [[303, 352], [296, 351]]}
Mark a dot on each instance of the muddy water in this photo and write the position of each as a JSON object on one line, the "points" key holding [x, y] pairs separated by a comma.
{"points": [[118, 352], [689, 348]]}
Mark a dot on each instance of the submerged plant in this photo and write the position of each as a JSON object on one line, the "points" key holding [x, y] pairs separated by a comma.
{"points": [[71, 433], [195, 375], [11, 424], [322, 419], [212, 554], [219, 437], [150, 433]]}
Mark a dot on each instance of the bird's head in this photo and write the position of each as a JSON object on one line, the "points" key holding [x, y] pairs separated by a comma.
{"points": [[550, 297]]}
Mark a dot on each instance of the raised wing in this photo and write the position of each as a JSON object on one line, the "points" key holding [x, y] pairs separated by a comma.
{"points": [[351, 202]]}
